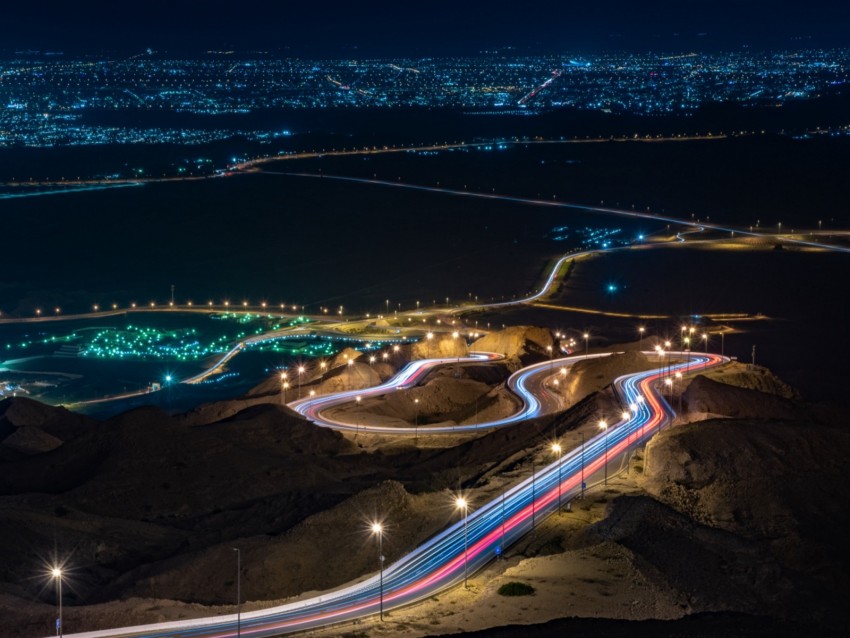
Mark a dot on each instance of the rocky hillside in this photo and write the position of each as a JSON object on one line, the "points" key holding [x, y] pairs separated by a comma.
{"points": [[766, 498], [519, 344]]}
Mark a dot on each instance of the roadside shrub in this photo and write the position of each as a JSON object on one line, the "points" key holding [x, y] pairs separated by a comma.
{"points": [[516, 589]]}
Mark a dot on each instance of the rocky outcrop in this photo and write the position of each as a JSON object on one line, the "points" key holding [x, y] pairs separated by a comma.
{"points": [[591, 375], [706, 396], [520, 343], [440, 345], [46, 424], [752, 377], [777, 483]]}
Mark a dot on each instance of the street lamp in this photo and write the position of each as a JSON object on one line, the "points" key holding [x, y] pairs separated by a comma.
{"points": [[604, 427], [705, 342], [238, 591], [378, 530], [679, 379], [582, 466], [455, 335], [284, 384], [641, 330], [627, 416], [586, 337], [462, 504], [300, 372], [56, 572], [358, 398], [556, 448]]}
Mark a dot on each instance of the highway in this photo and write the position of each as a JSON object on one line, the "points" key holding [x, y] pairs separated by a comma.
{"points": [[621, 212], [463, 548]]}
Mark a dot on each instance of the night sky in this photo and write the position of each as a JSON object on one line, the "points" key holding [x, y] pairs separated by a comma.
{"points": [[435, 27]]}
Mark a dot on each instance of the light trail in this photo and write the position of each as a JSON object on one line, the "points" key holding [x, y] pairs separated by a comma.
{"points": [[556, 204], [68, 189], [441, 562], [533, 404]]}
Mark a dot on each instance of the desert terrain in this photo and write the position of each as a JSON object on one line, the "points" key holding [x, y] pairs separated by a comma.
{"points": [[730, 517]]}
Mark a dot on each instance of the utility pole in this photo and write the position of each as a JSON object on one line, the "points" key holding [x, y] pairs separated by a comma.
{"points": [[502, 547], [533, 497], [238, 590], [582, 466]]}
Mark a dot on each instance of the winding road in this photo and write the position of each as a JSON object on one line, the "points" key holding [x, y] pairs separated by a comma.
{"points": [[463, 548]]}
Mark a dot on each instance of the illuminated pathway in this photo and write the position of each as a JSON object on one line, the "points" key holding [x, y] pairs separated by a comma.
{"points": [[443, 561]]}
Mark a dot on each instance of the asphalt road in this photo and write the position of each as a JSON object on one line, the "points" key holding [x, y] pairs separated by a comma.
{"points": [[485, 532]]}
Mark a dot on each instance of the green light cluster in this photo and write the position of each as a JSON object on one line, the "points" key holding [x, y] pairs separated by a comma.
{"points": [[310, 345], [45, 341], [151, 343]]}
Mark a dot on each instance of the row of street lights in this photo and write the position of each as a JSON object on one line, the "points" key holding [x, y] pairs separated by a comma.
{"points": [[377, 528]]}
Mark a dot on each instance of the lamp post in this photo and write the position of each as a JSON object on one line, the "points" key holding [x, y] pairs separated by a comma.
{"points": [[300, 372], [455, 336], [678, 376], [533, 498], [582, 465], [604, 427], [416, 429], [556, 448], [463, 505], [358, 398], [641, 330], [238, 591], [324, 366], [378, 530], [586, 337], [284, 384], [705, 342], [57, 576]]}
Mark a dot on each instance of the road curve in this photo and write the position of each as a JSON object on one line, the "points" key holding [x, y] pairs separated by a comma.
{"points": [[527, 384], [442, 561]]}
